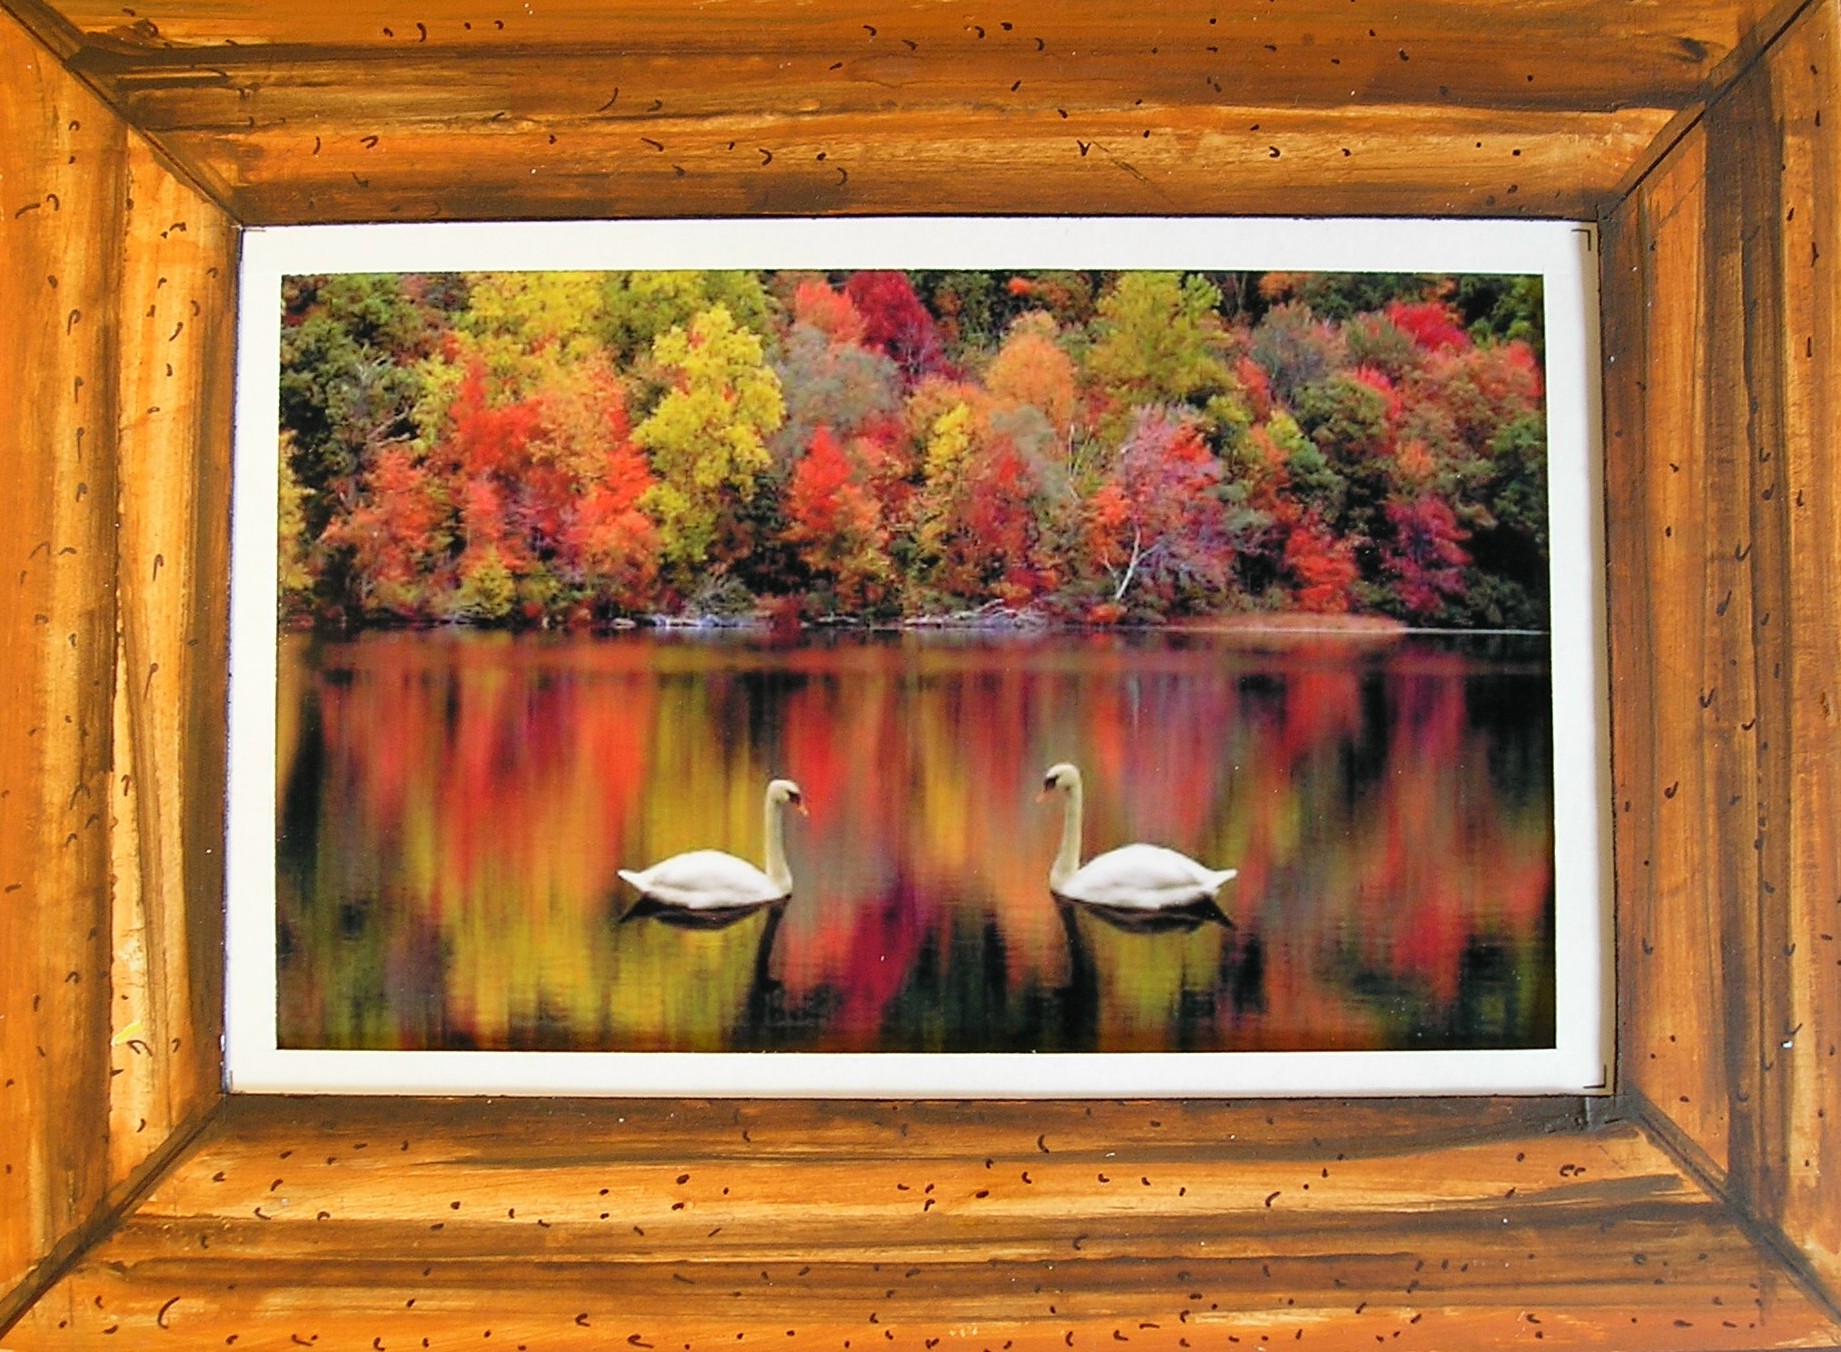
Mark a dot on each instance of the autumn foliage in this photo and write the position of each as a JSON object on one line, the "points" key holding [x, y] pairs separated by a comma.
{"points": [[580, 448]]}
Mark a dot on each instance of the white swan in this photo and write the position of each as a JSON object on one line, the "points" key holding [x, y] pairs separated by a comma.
{"points": [[711, 880], [1132, 878]]}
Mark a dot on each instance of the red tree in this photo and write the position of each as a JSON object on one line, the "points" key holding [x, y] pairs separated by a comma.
{"points": [[831, 312], [1000, 534], [835, 523], [1322, 566], [1432, 324], [1424, 560], [395, 533], [485, 455], [895, 321], [612, 546]]}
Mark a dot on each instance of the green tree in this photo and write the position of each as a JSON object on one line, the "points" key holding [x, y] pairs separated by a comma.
{"points": [[349, 382], [1159, 341], [1340, 296], [487, 589], [708, 435], [1347, 418], [969, 308], [1504, 308], [1508, 584], [1375, 341]]}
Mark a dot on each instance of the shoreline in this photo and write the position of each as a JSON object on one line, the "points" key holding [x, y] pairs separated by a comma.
{"points": [[1374, 629]]}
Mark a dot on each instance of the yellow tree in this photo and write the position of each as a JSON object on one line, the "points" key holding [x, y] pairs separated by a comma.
{"points": [[523, 327], [943, 462], [635, 308], [707, 435]]}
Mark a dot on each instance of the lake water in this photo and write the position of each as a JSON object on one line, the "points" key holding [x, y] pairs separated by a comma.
{"points": [[455, 806]]}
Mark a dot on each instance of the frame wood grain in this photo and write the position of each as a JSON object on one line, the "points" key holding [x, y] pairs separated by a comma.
{"points": [[1721, 441], [1724, 528], [116, 449]]}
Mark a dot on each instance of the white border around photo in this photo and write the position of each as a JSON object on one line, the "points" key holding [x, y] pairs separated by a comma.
{"points": [[1564, 254]]}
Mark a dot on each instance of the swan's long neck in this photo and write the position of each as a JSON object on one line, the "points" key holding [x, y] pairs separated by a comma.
{"points": [[1067, 860], [777, 870]]}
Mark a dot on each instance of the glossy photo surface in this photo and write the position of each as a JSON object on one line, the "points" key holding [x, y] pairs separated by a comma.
{"points": [[916, 662]]}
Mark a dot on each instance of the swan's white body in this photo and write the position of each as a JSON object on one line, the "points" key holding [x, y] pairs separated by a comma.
{"points": [[712, 880], [1130, 878], [1141, 877], [706, 880]]}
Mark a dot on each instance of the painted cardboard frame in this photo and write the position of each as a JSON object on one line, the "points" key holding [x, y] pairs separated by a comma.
{"points": [[1563, 253]]}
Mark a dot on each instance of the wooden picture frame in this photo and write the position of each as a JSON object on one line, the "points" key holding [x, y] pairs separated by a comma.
{"points": [[1699, 1202]]}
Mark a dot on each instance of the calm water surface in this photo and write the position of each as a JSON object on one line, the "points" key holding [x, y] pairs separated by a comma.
{"points": [[455, 807]]}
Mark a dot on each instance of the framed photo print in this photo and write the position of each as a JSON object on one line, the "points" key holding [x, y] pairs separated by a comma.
{"points": [[924, 657]]}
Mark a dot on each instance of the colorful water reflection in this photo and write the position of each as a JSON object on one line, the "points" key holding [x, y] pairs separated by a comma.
{"points": [[455, 807]]}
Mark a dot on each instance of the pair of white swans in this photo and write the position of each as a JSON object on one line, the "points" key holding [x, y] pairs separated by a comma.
{"points": [[1141, 879]]}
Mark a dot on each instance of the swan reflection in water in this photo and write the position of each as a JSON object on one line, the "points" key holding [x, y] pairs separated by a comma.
{"points": [[1184, 919], [1158, 981], [726, 940], [718, 918], [1114, 961]]}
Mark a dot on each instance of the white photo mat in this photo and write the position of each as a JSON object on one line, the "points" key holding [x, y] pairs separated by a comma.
{"points": [[1564, 254]]}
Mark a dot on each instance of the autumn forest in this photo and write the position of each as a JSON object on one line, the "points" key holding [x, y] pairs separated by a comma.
{"points": [[577, 449]]}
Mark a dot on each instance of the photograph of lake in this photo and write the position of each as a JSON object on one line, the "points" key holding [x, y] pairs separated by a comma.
{"points": [[913, 661]]}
